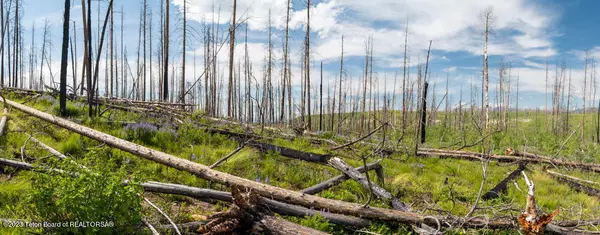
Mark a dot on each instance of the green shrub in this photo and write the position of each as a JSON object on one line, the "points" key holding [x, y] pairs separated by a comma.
{"points": [[95, 196]]}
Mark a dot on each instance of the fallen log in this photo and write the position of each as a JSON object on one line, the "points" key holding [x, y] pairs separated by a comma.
{"points": [[571, 177], [269, 191], [575, 183], [380, 192], [200, 193], [275, 206], [265, 147], [343, 177], [291, 153], [501, 187], [425, 152]]}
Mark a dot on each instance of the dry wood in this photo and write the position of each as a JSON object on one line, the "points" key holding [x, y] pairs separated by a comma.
{"points": [[529, 221], [152, 229], [554, 173], [163, 214], [501, 187], [339, 164], [576, 184], [341, 178]]}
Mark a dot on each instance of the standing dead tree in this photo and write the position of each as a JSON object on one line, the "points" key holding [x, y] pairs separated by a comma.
{"points": [[230, 98], [487, 17], [64, 60], [165, 79]]}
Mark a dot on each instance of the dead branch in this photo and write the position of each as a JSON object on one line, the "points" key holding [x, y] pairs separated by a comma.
{"points": [[359, 139]]}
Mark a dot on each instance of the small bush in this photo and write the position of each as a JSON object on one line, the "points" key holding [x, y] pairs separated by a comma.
{"points": [[94, 196]]}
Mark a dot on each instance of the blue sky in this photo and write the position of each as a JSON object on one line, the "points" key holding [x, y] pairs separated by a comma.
{"points": [[526, 34]]}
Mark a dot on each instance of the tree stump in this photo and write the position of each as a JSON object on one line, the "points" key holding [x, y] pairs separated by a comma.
{"points": [[530, 221]]}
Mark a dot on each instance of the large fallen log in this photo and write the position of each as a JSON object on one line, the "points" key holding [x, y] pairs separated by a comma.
{"points": [[501, 187], [201, 193], [380, 192], [343, 177], [265, 190], [426, 152]]}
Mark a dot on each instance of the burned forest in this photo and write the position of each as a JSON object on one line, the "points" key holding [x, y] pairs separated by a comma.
{"points": [[296, 117]]}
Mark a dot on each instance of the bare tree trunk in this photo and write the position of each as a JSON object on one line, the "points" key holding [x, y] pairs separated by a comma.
{"points": [[231, 51], [101, 42], [307, 62], [584, 95], [487, 20], [339, 131], [112, 54], [321, 100], [64, 59], [182, 82], [165, 87]]}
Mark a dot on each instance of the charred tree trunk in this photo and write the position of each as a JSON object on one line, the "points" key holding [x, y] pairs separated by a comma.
{"points": [[64, 59], [165, 88]]}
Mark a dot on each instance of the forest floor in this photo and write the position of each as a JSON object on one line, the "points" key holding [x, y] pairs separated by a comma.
{"points": [[436, 186]]}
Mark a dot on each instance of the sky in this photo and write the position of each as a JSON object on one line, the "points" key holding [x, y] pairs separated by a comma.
{"points": [[525, 33]]}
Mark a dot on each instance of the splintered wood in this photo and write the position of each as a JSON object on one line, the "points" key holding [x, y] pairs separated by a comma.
{"points": [[529, 221]]}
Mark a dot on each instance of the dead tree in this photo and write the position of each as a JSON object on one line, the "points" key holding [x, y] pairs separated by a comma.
{"points": [[231, 51], [165, 83], [585, 71], [423, 115], [321, 100], [88, 65], [487, 18], [307, 62], [285, 65], [339, 93], [64, 59], [182, 82]]}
